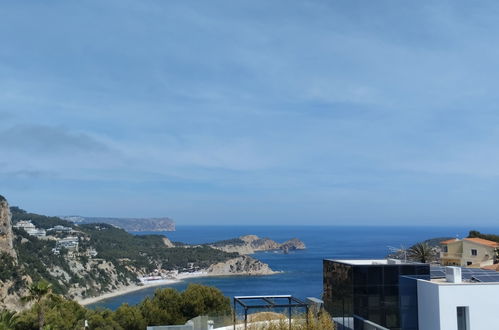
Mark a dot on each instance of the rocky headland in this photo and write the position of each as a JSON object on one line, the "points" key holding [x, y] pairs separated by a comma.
{"points": [[128, 224], [242, 265], [250, 244]]}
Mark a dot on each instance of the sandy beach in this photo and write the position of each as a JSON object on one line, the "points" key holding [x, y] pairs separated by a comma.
{"points": [[220, 269], [134, 287]]}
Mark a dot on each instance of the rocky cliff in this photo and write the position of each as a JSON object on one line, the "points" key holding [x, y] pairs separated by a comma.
{"points": [[250, 244], [168, 243], [293, 244], [6, 235], [242, 265], [10, 280]]}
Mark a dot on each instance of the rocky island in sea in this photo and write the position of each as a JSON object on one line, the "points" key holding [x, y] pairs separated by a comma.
{"points": [[88, 261], [250, 244]]}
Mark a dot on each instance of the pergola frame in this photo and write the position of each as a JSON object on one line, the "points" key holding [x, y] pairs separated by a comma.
{"points": [[268, 303]]}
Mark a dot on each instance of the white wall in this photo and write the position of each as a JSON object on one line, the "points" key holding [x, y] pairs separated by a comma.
{"points": [[428, 307], [437, 304]]}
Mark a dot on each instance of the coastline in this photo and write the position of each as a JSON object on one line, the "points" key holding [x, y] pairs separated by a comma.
{"points": [[120, 292], [135, 287], [179, 278]]}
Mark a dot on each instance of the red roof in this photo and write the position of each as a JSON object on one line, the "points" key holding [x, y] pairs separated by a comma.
{"points": [[450, 241], [483, 241]]}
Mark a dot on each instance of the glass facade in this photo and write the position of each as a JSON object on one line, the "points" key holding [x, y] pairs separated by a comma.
{"points": [[408, 298], [370, 291], [338, 291]]}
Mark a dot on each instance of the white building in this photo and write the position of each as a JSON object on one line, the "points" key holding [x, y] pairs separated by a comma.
{"points": [[368, 294], [70, 243], [30, 228], [25, 224], [453, 304], [61, 229]]}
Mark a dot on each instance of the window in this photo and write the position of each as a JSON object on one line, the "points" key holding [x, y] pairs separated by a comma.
{"points": [[445, 248], [474, 252], [462, 318], [468, 263]]}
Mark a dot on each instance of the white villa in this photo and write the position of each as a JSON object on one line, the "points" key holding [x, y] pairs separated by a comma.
{"points": [[30, 228]]}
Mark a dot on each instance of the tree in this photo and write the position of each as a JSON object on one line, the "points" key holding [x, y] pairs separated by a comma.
{"points": [[64, 314], [168, 306], [164, 308], [422, 252], [8, 320], [39, 292], [103, 320], [129, 318], [204, 300]]}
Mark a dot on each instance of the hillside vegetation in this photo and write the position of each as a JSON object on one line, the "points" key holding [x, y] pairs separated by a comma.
{"points": [[165, 307], [147, 251], [120, 258], [477, 234]]}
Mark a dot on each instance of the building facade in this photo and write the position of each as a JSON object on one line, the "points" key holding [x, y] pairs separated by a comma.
{"points": [[30, 228], [383, 295], [468, 252], [463, 306], [360, 291]]}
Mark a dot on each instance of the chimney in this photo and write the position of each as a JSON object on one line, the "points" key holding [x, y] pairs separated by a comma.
{"points": [[453, 274]]}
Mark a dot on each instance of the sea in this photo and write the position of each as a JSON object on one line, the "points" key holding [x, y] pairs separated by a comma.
{"points": [[301, 270]]}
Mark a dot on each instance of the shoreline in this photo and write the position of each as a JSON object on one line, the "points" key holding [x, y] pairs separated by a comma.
{"points": [[121, 291], [133, 288]]}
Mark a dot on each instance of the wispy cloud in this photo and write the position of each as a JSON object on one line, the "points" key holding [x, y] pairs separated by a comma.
{"points": [[48, 140], [318, 109]]}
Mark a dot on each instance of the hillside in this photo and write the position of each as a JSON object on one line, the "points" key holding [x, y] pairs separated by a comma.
{"points": [[128, 224], [84, 260], [104, 259]]}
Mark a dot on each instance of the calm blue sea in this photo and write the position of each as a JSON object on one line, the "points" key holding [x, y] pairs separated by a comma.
{"points": [[302, 275]]}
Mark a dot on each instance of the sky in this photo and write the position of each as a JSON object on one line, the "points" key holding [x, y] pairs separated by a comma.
{"points": [[284, 112]]}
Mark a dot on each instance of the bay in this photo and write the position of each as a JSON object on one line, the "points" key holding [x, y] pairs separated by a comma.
{"points": [[302, 270]]}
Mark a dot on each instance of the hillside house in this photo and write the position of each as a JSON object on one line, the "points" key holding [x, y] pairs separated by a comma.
{"points": [[30, 228], [468, 252]]}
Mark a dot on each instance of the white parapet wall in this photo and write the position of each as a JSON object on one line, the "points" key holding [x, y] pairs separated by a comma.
{"points": [[438, 302]]}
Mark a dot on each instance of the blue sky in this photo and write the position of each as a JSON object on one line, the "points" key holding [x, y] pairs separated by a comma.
{"points": [[262, 112]]}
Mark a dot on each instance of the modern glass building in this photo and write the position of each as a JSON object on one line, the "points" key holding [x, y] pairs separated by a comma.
{"points": [[359, 292]]}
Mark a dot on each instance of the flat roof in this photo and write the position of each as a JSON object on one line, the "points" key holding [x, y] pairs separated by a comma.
{"points": [[443, 281], [361, 261], [367, 262]]}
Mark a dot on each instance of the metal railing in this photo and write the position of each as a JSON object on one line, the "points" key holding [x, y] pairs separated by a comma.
{"points": [[171, 327], [368, 325]]}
